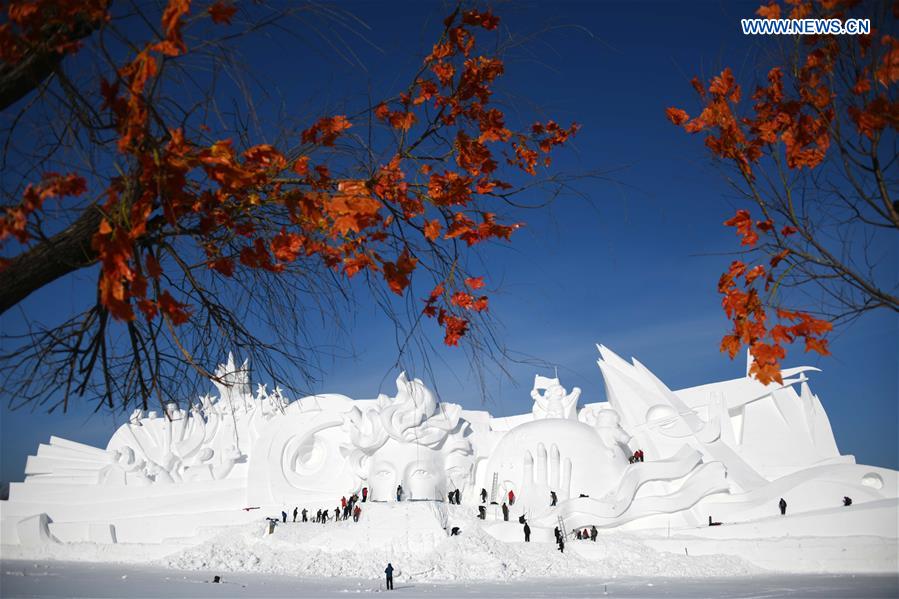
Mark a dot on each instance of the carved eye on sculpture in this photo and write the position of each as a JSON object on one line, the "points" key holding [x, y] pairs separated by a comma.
{"points": [[420, 473], [383, 473]]}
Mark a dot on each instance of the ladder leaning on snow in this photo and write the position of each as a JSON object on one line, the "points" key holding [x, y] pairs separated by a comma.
{"points": [[562, 530], [494, 488]]}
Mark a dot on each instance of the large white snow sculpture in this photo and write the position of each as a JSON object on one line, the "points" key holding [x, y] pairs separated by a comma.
{"points": [[728, 449]]}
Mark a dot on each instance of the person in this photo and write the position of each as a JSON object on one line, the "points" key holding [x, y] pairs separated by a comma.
{"points": [[304, 515], [336, 513], [639, 455], [356, 513], [455, 531], [483, 495], [343, 502], [296, 511], [553, 499], [505, 512], [325, 516], [511, 497], [847, 501], [318, 516], [527, 533], [458, 497], [561, 542], [283, 516], [557, 533], [482, 512], [593, 533], [521, 519], [577, 534], [271, 525], [389, 572], [713, 523], [364, 494], [783, 506], [586, 534], [399, 492], [451, 496], [347, 511]]}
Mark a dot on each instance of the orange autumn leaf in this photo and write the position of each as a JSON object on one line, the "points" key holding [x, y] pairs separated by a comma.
{"points": [[222, 12]]}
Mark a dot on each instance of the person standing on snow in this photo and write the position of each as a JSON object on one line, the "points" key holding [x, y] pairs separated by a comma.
{"points": [[553, 499], [483, 495], [356, 513], [304, 514], [505, 512], [364, 494], [458, 497], [783, 506], [511, 497], [593, 533], [283, 516], [399, 492], [296, 511], [527, 533], [389, 572]]}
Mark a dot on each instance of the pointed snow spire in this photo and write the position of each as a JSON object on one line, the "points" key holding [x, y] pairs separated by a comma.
{"points": [[749, 361]]}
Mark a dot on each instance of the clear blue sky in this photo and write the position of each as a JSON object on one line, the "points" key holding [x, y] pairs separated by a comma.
{"points": [[634, 268]]}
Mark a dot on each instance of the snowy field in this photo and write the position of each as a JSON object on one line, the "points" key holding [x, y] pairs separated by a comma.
{"points": [[78, 579]]}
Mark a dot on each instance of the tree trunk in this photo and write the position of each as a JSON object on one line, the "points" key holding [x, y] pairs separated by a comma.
{"points": [[65, 252]]}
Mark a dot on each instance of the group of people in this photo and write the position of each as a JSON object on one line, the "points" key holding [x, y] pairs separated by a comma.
{"points": [[637, 457], [348, 508]]}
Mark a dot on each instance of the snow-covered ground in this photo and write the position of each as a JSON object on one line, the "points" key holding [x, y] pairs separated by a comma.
{"points": [[79, 579], [487, 559]]}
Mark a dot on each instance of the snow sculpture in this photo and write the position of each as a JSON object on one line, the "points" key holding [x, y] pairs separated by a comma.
{"points": [[729, 449], [551, 399], [409, 440]]}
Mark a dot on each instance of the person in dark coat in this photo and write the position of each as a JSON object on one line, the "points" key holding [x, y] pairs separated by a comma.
{"points": [[783, 506], [399, 492], [451, 496], [505, 512], [561, 543], [318, 516], [336, 513], [482, 512], [553, 499], [847, 501], [593, 533], [389, 572], [304, 514], [455, 531], [527, 533], [296, 511], [283, 516], [364, 494], [483, 495], [557, 533], [458, 497]]}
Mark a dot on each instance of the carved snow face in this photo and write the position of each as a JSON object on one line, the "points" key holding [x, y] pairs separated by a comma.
{"points": [[419, 469]]}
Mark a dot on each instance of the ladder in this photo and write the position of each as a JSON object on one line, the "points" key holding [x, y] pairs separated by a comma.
{"points": [[494, 488], [562, 529]]}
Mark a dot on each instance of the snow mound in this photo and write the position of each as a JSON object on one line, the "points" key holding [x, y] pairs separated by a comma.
{"points": [[412, 537]]}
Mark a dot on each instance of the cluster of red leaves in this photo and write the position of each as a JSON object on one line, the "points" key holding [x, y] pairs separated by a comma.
{"points": [[351, 225], [53, 185], [741, 287], [797, 119], [39, 26]]}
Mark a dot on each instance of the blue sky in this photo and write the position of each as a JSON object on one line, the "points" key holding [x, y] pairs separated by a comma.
{"points": [[633, 264]]}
